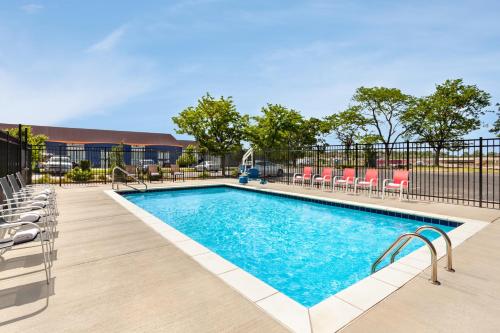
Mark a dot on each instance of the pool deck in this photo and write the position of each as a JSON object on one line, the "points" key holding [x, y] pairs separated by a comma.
{"points": [[112, 273]]}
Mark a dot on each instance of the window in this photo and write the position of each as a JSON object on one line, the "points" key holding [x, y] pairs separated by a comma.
{"points": [[76, 152]]}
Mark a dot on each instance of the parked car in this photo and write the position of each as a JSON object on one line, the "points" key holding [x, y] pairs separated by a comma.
{"points": [[269, 168], [207, 166], [58, 165]]}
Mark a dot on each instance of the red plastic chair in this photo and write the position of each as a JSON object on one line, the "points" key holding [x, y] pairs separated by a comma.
{"points": [[326, 177], [400, 182], [307, 175], [346, 179], [370, 181]]}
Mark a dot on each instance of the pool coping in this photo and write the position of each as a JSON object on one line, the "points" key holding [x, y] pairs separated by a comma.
{"points": [[332, 313]]}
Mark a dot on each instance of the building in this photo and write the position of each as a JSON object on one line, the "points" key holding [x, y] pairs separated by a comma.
{"points": [[97, 145]]}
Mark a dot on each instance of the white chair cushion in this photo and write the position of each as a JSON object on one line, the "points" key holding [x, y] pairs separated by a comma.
{"points": [[41, 197], [26, 235], [38, 204], [29, 217]]}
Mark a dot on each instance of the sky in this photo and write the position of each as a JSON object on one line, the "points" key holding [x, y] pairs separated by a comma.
{"points": [[132, 65]]}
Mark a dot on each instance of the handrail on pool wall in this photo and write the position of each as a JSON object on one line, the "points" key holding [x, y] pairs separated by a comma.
{"points": [[449, 254], [408, 237]]}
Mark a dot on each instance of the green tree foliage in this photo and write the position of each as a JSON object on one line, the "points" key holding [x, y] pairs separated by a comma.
{"points": [[384, 108], [215, 124], [452, 111], [349, 126], [274, 128], [496, 125], [279, 126], [37, 142], [187, 158]]}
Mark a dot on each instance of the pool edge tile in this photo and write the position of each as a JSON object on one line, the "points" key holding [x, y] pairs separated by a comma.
{"points": [[214, 263], [332, 314], [247, 284], [366, 293], [287, 311]]}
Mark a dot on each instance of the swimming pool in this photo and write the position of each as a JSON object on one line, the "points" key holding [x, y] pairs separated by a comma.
{"points": [[308, 250]]}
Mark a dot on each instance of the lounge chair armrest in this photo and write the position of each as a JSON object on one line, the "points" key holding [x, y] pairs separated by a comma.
{"points": [[296, 174], [9, 225], [316, 176], [384, 183], [24, 209]]}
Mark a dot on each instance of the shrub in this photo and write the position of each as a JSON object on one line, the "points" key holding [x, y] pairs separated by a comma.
{"points": [[85, 165], [186, 159], [79, 175]]}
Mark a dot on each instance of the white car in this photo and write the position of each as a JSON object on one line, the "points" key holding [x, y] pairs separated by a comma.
{"points": [[207, 166], [269, 168], [58, 165]]}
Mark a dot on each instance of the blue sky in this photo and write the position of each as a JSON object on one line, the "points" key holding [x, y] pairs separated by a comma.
{"points": [[133, 65]]}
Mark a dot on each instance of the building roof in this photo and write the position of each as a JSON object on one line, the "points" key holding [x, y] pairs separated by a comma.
{"points": [[85, 135], [186, 143]]}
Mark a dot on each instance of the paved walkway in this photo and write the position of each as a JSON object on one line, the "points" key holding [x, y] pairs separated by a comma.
{"points": [[113, 273]]}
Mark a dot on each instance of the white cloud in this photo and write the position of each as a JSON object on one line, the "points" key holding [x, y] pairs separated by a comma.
{"points": [[31, 8], [109, 42], [56, 93]]}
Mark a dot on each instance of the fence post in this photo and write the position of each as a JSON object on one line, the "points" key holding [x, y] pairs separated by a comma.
{"points": [[7, 157], [356, 159], [481, 172], [288, 164], [407, 154], [317, 160], [20, 145], [60, 165], [26, 151], [105, 165]]}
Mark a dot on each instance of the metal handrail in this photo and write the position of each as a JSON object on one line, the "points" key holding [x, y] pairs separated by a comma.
{"points": [[246, 156], [410, 236], [449, 265], [128, 175]]}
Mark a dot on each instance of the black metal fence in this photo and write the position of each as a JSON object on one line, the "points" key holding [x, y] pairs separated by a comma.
{"points": [[14, 153], [460, 171], [65, 165]]}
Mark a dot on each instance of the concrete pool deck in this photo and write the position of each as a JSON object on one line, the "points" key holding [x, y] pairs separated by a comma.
{"points": [[113, 273]]}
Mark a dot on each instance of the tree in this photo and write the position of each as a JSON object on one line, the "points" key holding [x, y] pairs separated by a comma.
{"points": [[215, 124], [279, 127], [452, 111], [349, 126], [274, 128], [384, 107], [496, 125], [37, 142]]}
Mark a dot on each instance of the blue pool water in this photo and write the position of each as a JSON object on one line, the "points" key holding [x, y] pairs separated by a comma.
{"points": [[308, 251]]}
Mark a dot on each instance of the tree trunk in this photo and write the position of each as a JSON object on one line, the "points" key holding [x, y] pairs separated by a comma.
{"points": [[437, 155], [347, 154], [223, 164], [387, 154]]}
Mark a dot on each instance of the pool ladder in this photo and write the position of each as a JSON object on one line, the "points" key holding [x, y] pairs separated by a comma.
{"points": [[403, 240]]}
